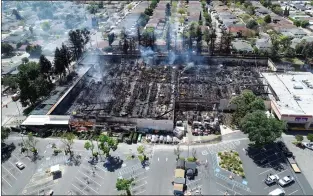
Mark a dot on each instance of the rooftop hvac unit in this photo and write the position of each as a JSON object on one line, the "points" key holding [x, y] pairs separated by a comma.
{"points": [[296, 97], [297, 87]]}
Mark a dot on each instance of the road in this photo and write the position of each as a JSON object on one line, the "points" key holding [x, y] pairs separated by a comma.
{"points": [[12, 112]]}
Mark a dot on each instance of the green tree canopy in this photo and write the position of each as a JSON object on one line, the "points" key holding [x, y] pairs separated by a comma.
{"points": [[181, 11], [310, 137], [124, 185], [299, 138], [246, 102], [267, 19], [260, 129], [251, 24], [68, 140], [6, 49], [5, 132]]}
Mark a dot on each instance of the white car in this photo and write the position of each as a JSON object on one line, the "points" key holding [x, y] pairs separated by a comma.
{"points": [[161, 138], [271, 179], [20, 165], [286, 181], [308, 145], [277, 191]]}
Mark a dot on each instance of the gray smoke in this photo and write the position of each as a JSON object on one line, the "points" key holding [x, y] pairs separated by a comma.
{"points": [[147, 54]]}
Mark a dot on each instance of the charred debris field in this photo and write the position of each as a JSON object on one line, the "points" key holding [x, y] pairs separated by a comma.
{"points": [[133, 88]]}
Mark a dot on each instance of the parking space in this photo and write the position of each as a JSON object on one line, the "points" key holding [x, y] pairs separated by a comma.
{"points": [[40, 183], [10, 173], [88, 179], [270, 161], [140, 181]]}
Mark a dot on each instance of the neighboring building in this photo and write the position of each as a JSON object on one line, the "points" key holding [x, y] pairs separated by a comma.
{"points": [[241, 46], [296, 41], [291, 98], [263, 44]]}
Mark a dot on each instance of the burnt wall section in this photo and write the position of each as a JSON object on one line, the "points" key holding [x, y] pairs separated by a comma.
{"points": [[66, 100]]}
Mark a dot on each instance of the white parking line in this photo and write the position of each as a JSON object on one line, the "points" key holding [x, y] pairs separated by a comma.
{"points": [[228, 189], [89, 178], [79, 189], [282, 171], [265, 171], [3, 192], [36, 191], [6, 181], [140, 192], [293, 192], [141, 179], [95, 172], [136, 187], [9, 172]]}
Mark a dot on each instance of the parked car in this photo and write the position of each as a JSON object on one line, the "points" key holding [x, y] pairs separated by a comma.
{"points": [[272, 179], [286, 181], [169, 139], [148, 137], [263, 161], [308, 145], [20, 165], [161, 139], [277, 191]]}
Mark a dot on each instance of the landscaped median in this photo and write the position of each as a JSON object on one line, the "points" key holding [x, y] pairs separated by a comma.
{"points": [[230, 160]]}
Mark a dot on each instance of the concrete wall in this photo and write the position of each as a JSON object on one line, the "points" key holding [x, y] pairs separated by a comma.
{"points": [[271, 65], [65, 101], [144, 123]]}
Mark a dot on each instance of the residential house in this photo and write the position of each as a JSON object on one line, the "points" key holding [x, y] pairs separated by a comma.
{"points": [[263, 44], [241, 46], [296, 41]]}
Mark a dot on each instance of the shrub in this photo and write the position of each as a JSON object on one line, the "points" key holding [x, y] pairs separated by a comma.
{"points": [[299, 138], [191, 159], [310, 137], [219, 153], [267, 19], [236, 153]]}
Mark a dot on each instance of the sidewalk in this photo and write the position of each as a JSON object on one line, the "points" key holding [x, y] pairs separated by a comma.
{"points": [[227, 130]]}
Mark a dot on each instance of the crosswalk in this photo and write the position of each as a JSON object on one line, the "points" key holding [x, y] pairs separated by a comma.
{"points": [[49, 161], [224, 146], [130, 169]]}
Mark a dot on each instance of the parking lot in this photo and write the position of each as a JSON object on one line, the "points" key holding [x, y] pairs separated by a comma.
{"points": [[10, 172], [40, 183], [270, 161]]}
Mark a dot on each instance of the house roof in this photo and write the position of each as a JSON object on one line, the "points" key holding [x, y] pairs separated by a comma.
{"points": [[241, 46]]}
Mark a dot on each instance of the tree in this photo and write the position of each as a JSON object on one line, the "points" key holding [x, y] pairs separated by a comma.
{"points": [[6, 49], [31, 83], [107, 144], [59, 67], [267, 19], [10, 81], [246, 102], [299, 47], [199, 40], [89, 146], [16, 14], [5, 132], [297, 23], [310, 137], [78, 39], [304, 23], [33, 50], [177, 151], [277, 10], [251, 24], [251, 10], [299, 138], [111, 38], [68, 140], [181, 11], [45, 26], [261, 129], [66, 57], [286, 12], [200, 16], [100, 5], [92, 8], [124, 185], [25, 60], [148, 11], [130, 6], [141, 150], [168, 10], [181, 20], [31, 143], [45, 66]]}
